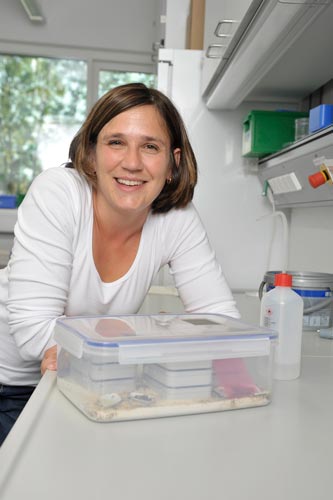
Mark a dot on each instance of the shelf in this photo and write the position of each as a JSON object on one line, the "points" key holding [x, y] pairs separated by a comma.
{"points": [[298, 159], [298, 144]]}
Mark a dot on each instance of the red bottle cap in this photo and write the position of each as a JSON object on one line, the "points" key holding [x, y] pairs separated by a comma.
{"points": [[317, 179], [283, 279]]}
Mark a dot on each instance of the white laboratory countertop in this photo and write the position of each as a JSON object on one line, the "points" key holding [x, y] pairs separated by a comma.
{"points": [[281, 451]]}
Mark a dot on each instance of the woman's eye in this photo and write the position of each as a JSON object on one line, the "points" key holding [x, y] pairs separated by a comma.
{"points": [[114, 142], [152, 147]]}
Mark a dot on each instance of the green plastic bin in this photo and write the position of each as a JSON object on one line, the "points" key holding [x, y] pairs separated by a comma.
{"points": [[266, 132]]}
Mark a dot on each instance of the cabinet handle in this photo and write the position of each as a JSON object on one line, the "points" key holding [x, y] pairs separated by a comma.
{"points": [[215, 50], [219, 26]]}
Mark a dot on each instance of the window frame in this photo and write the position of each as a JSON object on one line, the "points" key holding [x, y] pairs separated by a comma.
{"points": [[103, 65], [96, 60]]}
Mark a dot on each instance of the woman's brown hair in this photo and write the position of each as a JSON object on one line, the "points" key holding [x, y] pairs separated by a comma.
{"points": [[175, 194]]}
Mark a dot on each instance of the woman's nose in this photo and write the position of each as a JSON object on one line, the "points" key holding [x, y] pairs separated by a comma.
{"points": [[132, 159]]}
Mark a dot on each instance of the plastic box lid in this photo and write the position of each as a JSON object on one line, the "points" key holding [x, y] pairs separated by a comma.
{"points": [[133, 339]]}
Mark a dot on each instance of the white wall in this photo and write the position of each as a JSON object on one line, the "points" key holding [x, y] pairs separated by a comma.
{"points": [[177, 12], [311, 239], [231, 204], [247, 239], [229, 199]]}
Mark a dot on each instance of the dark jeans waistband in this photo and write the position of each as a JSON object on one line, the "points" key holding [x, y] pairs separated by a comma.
{"points": [[16, 390], [13, 399]]}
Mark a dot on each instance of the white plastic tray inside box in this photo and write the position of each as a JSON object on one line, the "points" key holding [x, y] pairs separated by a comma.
{"points": [[135, 366], [103, 370], [180, 377], [189, 392], [102, 385]]}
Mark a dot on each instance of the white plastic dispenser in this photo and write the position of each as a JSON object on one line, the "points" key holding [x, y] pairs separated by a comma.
{"points": [[282, 310]]}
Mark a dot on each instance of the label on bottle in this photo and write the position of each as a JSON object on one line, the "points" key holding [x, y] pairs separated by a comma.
{"points": [[270, 318]]}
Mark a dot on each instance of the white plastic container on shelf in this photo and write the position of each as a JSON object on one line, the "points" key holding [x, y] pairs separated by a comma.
{"points": [[180, 380], [139, 366], [282, 310]]}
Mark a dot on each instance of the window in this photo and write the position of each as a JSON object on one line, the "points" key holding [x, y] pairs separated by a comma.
{"points": [[111, 79], [42, 104]]}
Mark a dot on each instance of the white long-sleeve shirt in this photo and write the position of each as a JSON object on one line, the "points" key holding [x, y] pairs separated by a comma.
{"points": [[51, 272]]}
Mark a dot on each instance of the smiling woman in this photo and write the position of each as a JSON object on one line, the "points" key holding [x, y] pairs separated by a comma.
{"points": [[174, 194], [91, 238], [132, 165]]}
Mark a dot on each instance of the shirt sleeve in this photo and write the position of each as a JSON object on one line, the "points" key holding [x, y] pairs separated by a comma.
{"points": [[41, 262], [197, 274]]}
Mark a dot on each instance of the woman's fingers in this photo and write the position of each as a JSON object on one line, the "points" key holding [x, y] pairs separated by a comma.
{"points": [[50, 360]]}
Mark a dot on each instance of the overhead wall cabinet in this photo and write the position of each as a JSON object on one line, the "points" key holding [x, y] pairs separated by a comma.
{"points": [[279, 52], [224, 22]]}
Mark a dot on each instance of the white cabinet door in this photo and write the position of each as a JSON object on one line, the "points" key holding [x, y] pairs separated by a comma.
{"points": [[222, 18]]}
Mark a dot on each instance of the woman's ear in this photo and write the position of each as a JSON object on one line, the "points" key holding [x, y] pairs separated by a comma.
{"points": [[176, 155], [92, 160]]}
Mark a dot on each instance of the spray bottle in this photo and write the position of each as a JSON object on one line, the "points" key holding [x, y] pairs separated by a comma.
{"points": [[282, 310]]}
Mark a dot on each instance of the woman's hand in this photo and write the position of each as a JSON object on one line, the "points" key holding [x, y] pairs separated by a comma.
{"points": [[50, 360]]}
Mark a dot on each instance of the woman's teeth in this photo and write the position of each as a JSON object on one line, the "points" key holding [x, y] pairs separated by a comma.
{"points": [[129, 183]]}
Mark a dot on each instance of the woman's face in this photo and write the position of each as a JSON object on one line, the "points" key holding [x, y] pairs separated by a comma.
{"points": [[132, 160]]}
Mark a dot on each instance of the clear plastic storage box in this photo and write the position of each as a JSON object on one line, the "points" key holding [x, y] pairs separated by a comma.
{"points": [[132, 367]]}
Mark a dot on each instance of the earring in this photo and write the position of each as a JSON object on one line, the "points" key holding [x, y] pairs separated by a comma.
{"points": [[169, 180]]}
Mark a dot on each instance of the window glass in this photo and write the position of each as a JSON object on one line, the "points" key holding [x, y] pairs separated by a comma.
{"points": [[111, 79], [42, 104]]}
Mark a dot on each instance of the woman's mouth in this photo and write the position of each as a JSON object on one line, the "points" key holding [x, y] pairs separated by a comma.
{"points": [[128, 182]]}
